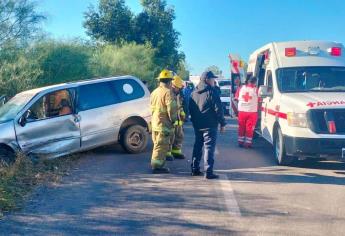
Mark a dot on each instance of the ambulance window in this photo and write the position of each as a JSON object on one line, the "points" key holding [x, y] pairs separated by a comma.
{"points": [[260, 69], [269, 81]]}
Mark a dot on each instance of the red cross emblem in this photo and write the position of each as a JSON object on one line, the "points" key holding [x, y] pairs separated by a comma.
{"points": [[246, 97]]}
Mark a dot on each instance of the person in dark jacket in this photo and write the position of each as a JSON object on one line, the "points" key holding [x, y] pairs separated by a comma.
{"points": [[207, 115], [187, 92]]}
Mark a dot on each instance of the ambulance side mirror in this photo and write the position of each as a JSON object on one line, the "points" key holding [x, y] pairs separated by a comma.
{"points": [[265, 92]]}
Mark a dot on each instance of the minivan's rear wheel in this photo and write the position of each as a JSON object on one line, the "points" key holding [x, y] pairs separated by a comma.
{"points": [[134, 139], [279, 149], [7, 156]]}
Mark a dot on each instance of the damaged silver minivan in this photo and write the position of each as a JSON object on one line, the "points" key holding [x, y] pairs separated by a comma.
{"points": [[67, 118]]}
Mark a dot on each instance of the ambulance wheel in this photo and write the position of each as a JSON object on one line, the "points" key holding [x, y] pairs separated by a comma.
{"points": [[134, 139], [279, 149]]}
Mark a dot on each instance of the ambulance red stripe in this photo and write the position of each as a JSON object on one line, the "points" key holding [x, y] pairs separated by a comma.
{"points": [[274, 113]]}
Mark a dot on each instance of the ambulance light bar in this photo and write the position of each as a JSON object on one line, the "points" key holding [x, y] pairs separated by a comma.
{"points": [[335, 51], [290, 52], [314, 51]]}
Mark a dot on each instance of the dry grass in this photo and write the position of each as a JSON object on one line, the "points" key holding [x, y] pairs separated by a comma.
{"points": [[19, 179]]}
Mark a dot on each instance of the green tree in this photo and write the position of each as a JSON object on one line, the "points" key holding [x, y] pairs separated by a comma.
{"points": [[214, 69], [111, 22], [114, 22], [183, 70], [155, 26], [19, 20]]}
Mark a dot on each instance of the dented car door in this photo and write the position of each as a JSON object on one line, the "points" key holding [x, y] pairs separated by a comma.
{"points": [[51, 127]]}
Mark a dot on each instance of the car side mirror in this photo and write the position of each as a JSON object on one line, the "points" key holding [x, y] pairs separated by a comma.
{"points": [[2, 100], [23, 120], [264, 92]]}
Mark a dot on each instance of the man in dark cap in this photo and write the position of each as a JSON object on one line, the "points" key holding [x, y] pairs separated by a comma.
{"points": [[207, 115]]}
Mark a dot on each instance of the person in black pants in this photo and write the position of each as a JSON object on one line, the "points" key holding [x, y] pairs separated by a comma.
{"points": [[207, 115]]}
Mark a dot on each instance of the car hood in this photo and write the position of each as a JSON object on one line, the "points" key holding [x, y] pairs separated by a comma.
{"points": [[314, 100], [4, 125], [7, 133]]}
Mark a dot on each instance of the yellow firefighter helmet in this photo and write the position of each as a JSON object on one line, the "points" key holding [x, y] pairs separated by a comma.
{"points": [[177, 82], [165, 75]]}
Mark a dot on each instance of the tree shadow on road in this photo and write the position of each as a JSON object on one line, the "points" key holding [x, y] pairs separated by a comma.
{"points": [[117, 203], [320, 164], [287, 177], [263, 149]]}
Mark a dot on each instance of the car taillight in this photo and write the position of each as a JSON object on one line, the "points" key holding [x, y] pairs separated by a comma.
{"points": [[335, 51], [290, 52]]}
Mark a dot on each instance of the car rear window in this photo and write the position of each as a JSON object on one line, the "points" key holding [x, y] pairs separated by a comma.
{"points": [[108, 93], [128, 89]]}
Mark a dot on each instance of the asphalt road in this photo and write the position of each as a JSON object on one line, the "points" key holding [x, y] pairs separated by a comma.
{"points": [[112, 193]]}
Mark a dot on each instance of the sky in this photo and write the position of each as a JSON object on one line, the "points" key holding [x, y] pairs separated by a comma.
{"points": [[211, 29]]}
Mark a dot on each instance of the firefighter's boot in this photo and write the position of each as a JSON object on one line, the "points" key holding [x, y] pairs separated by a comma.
{"points": [[169, 157], [177, 153], [161, 170]]}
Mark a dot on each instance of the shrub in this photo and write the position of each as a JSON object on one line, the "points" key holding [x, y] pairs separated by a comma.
{"points": [[130, 59], [61, 61], [50, 62], [18, 71]]}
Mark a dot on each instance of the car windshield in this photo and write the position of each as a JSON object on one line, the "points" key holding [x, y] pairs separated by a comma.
{"points": [[10, 109], [224, 83], [311, 79], [225, 92]]}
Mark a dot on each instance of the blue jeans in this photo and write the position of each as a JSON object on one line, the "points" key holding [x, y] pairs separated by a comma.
{"points": [[204, 139]]}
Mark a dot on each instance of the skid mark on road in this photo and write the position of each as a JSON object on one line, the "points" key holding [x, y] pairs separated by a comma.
{"points": [[227, 192]]}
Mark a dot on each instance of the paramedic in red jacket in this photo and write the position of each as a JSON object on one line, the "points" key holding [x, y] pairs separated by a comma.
{"points": [[247, 97]]}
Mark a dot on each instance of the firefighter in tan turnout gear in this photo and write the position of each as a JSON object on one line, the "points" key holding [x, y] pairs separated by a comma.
{"points": [[164, 116], [178, 135]]}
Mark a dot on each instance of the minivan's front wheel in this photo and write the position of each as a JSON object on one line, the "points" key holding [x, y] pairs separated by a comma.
{"points": [[7, 156], [279, 149], [134, 139]]}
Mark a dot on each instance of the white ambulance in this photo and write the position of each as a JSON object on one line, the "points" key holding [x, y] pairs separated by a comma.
{"points": [[302, 86]]}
